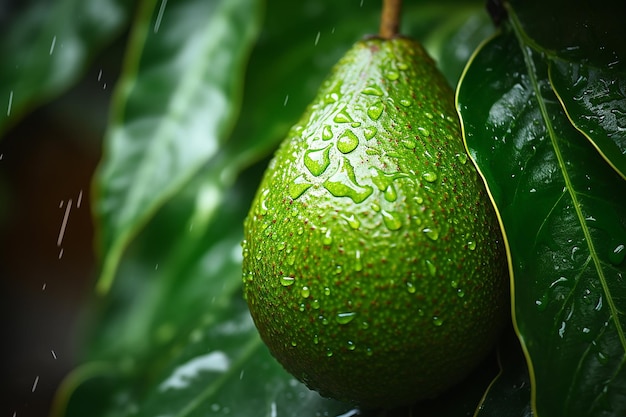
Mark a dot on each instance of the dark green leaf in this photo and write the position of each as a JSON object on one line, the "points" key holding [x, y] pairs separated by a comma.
{"points": [[595, 102], [562, 210], [591, 32], [48, 46], [175, 105], [509, 393]]}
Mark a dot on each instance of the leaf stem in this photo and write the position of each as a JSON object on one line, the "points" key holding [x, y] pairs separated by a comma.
{"points": [[390, 19]]}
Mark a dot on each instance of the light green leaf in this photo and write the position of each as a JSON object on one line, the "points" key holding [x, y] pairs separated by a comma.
{"points": [[47, 46], [174, 106]]}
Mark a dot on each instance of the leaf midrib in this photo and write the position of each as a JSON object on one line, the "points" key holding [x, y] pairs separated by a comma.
{"points": [[566, 177]]}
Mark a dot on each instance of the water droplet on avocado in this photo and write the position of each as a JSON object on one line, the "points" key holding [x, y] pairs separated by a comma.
{"points": [[315, 304], [460, 293], [345, 318], [305, 292], [406, 103], [390, 194], [298, 186], [331, 98], [287, 281], [409, 143], [375, 110], [410, 287], [343, 184], [327, 239], [343, 117], [462, 158], [431, 233], [372, 90], [431, 267], [317, 160], [358, 265], [263, 205], [423, 131], [327, 133], [437, 321], [329, 352], [347, 142], [352, 221], [392, 75], [351, 345], [326, 291], [369, 132], [430, 176], [471, 245], [316, 339], [392, 220]]}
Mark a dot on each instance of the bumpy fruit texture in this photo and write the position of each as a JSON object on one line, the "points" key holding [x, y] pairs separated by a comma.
{"points": [[374, 267]]}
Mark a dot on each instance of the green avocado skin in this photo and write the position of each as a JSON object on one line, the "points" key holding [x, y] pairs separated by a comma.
{"points": [[373, 263]]}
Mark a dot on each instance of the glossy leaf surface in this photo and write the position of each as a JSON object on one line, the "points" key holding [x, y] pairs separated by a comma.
{"points": [[509, 393], [562, 210], [175, 104], [587, 55], [595, 102], [44, 51]]}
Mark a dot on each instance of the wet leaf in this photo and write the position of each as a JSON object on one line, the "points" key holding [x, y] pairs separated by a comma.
{"points": [[595, 102], [509, 394], [589, 33], [175, 104], [44, 51], [562, 210]]}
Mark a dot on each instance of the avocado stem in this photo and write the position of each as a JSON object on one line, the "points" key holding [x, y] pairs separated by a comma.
{"points": [[390, 19]]}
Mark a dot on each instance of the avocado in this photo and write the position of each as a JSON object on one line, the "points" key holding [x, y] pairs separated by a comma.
{"points": [[373, 262]]}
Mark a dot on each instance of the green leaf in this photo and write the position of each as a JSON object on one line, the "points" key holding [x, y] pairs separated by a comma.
{"points": [[591, 33], [595, 102], [587, 67], [174, 106], [561, 207], [47, 47], [509, 393]]}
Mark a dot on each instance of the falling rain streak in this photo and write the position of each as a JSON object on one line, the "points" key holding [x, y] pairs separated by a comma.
{"points": [[66, 216], [157, 23], [54, 42], [10, 103], [64, 224]]}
